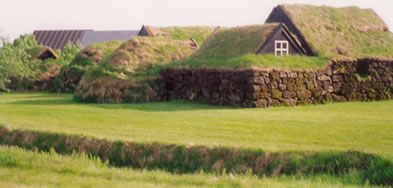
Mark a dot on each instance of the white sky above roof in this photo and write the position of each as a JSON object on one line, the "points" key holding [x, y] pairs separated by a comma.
{"points": [[23, 16]]}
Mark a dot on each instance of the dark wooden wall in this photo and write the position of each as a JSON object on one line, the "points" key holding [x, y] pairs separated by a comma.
{"points": [[278, 35], [143, 32], [46, 55]]}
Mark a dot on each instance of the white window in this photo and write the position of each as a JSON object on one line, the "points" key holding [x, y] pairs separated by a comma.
{"points": [[281, 47]]}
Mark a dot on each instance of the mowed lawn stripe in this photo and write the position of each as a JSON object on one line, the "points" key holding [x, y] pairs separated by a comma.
{"points": [[362, 126]]}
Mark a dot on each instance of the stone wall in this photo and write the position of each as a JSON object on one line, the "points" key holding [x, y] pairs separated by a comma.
{"points": [[342, 80]]}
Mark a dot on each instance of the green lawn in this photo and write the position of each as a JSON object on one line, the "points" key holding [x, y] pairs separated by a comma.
{"points": [[19, 168], [357, 126]]}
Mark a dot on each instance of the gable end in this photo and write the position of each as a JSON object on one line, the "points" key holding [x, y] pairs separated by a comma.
{"points": [[280, 33], [279, 15]]}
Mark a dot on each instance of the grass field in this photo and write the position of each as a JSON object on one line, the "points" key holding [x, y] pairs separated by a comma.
{"points": [[357, 126], [19, 167]]}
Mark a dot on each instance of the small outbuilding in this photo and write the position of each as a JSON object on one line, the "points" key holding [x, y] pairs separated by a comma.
{"points": [[47, 53], [42, 53]]}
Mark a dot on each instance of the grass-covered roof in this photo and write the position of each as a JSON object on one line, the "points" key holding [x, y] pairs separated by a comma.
{"points": [[140, 52], [181, 33], [232, 42], [36, 51], [140, 55], [236, 48], [348, 31]]}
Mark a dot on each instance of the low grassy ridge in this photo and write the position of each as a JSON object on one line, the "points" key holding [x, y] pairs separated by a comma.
{"points": [[19, 167], [193, 159]]}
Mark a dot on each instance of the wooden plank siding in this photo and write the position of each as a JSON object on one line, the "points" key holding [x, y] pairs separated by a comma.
{"points": [[281, 33], [279, 16]]}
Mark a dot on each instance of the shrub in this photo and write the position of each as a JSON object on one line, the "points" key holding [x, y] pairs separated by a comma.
{"points": [[380, 172], [15, 61]]}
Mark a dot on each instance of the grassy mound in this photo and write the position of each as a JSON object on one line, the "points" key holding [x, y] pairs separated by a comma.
{"points": [[44, 71], [137, 55], [71, 74], [131, 72], [44, 76], [112, 89], [348, 31]]}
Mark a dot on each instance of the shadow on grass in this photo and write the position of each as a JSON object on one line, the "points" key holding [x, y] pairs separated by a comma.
{"points": [[163, 106], [56, 99], [44, 102]]}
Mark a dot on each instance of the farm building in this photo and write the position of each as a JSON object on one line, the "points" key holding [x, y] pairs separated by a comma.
{"points": [[329, 31], [47, 53], [42, 53], [57, 39], [305, 30], [271, 38]]}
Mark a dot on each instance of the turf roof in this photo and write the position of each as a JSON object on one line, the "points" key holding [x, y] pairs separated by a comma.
{"points": [[348, 31], [38, 50], [181, 33], [232, 42], [137, 57], [140, 52]]}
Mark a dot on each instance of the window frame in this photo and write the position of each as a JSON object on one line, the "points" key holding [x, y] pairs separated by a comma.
{"points": [[281, 50]]}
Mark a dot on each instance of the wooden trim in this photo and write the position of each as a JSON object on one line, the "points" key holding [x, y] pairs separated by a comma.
{"points": [[281, 49], [291, 40], [273, 17], [268, 39]]}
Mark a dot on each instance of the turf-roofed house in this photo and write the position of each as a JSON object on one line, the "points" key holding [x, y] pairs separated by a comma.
{"points": [[331, 54], [328, 31], [308, 30], [131, 71]]}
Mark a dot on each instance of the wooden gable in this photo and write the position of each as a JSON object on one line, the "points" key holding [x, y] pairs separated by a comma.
{"points": [[47, 53], [278, 15], [281, 34], [144, 32]]}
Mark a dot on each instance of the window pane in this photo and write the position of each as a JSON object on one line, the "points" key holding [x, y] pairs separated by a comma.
{"points": [[284, 45], [278, 45]]}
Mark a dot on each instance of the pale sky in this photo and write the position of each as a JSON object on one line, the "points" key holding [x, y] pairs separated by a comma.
{"points": [[23, 16]]}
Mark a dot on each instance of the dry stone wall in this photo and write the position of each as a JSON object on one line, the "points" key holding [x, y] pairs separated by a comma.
{"points": [[342, 80]]}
